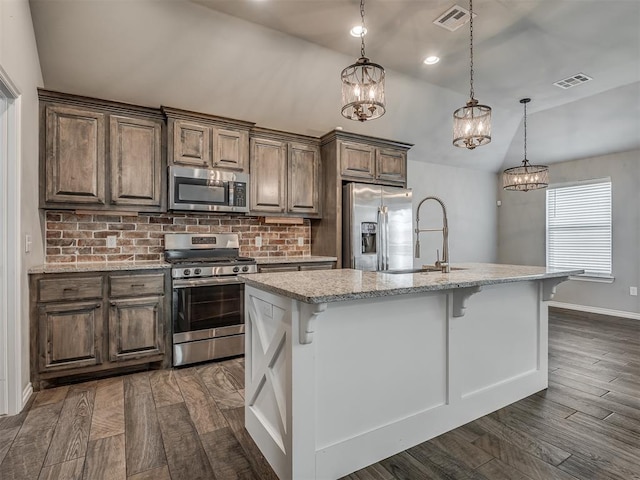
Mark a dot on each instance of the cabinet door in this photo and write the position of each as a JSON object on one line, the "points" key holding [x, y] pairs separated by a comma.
{"points": [[136, 161], [136, 328], [268, 176], [191, 144], [230, 149], [391, 166], [69, 335], [357, 160], [304, 179], [74, 156]]}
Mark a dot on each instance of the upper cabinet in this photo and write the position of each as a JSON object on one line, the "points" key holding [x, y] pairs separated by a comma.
{"points": [[285, 174], [100, 155], [206, 141], [363, 161]]}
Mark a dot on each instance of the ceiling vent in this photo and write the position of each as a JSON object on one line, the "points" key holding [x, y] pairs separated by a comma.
{"points": [[453, 18], [572, 81]]}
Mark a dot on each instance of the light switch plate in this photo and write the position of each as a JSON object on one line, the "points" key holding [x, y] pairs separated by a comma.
{"points": [[633, 291]]}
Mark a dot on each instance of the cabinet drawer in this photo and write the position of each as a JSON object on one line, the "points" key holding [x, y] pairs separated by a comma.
{"points": [[317, 266], [136, 285], [277, 268], [77, 288]]}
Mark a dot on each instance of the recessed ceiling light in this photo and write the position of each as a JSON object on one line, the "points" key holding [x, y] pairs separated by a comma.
{"points": [[358, 31], [431, 60]]}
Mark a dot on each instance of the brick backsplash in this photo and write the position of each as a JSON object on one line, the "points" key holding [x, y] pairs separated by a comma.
{"points": [[74, 237]]}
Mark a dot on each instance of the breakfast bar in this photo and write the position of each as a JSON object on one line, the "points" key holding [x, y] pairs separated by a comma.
{"points": [[346, 367]]}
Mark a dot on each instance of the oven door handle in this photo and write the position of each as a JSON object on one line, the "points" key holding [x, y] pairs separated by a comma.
{"points": [[203, 282]]}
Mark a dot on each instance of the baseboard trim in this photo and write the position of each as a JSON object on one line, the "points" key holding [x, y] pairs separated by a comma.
{"points": [[597, 310], [26, 394]]}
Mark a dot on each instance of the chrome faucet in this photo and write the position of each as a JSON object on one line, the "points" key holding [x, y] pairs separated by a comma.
{"points": [[444, 264]]}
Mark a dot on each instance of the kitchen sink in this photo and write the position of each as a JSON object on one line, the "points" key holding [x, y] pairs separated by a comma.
{"points": [[421, 270]]}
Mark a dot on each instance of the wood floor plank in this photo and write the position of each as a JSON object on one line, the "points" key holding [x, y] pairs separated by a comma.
{"points": [[106, 459], [260, 466], [70, 470], [498, 470], [372, 472], [165, 388], [108, 411], [575, 399], [522, 440], [519, 459], [49, 396], [221, 388], [632, 401], [143, 438], [624, 422], [583, 468], [7, 436], [546, 408], [137, 384], [404, 466], [557, 377], [204, 412], [72, 432], [446, 462], [457, 447], [226, 456], [235, 371], [607, 429], [24, 459], [161, 473], [185, 455]]}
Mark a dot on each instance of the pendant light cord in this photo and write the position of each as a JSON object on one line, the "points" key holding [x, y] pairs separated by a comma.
{"points": [[362, 30], [470, 43], [525, 132]]}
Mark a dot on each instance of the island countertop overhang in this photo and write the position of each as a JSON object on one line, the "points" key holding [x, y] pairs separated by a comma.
{"points": [[328, 286]]}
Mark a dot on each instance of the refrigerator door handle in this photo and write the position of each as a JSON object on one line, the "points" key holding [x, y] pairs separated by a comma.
{"points": [[380, 240], [383, 225]]}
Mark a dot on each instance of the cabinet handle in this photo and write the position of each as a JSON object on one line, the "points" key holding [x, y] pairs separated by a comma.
{"points": [[69, 289], [137, 284], [98, 305]]}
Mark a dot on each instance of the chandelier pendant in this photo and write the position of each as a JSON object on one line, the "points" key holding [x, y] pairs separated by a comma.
{"points": [[526, 176], [472, 122], [363, 85]]}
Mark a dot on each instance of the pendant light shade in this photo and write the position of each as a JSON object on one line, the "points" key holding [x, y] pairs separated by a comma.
{"points": [[363, 85], [525, 177], [471, 123]]}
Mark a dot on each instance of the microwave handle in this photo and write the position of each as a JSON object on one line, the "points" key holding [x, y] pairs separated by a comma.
{"points": [[232, 188]]}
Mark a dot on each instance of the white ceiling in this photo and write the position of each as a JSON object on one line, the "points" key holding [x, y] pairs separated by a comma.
{"points": [[277, 62]]}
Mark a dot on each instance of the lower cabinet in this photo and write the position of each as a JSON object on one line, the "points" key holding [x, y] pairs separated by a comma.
{"points": [[100, 322]]}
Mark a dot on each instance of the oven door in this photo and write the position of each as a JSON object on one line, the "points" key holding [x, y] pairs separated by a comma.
{"points": [[207, 308]]}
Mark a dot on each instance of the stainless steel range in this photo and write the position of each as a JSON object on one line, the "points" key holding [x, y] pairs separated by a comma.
{"points": [[208, 296]]}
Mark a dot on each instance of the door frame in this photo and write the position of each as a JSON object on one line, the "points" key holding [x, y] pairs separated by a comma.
{"points": [[10, 234]]}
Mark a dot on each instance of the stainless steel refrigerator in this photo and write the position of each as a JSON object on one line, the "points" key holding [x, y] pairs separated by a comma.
{"points": [[377, 229]]}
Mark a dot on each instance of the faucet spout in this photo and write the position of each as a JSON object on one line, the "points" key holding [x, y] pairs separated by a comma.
{"points": [[444, 265]]}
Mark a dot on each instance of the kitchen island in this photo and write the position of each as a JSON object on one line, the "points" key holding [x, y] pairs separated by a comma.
{"points": [[345, 368]]}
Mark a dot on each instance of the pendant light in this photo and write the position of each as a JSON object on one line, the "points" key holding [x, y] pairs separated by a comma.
{"points": [[363, 85], [525, 177], [471, 123]]}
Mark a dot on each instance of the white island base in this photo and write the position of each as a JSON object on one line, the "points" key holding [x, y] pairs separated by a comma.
{"points": [[333, 387]]}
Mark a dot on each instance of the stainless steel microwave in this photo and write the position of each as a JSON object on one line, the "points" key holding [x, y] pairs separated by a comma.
{"points": [[208, 190]]}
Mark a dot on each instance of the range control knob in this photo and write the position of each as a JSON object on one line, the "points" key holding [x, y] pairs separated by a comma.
{"points": [[236, 269], [245, 269], [186, 272], [197, 271]]}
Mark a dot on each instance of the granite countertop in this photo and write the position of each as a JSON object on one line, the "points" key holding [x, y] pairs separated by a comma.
{"points": [[323, 286], [97, 266], [295, 259]]}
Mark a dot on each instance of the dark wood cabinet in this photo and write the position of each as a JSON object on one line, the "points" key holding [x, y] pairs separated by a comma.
{"points": [[100, 155], [294, 267], [285, 174], [350, 157], [207, 141], [98, 322]]}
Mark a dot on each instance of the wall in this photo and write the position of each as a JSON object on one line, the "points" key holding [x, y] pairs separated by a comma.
{"points": [[522, 229], [19, 59], [470, 198], [81, 238]]}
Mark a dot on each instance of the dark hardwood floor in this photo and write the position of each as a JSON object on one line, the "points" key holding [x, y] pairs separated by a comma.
{"points": [[187, 424]]}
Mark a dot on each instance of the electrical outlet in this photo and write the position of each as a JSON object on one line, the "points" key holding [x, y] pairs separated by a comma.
{"points": [[300, 241], [111, 241], [258, 241], [633, 291]]}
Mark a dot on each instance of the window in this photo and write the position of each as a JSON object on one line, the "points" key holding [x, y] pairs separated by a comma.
{"points": [[579, 227]]}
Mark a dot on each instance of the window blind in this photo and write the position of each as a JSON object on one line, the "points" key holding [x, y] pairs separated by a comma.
{"points": [[579, 228]]}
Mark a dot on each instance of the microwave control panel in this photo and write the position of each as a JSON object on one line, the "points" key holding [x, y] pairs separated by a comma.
{"points": [[239, 194]]}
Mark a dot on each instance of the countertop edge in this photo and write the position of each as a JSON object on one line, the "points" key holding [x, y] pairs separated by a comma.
{"points": [[96, 267], [295, 259]]}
